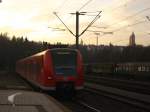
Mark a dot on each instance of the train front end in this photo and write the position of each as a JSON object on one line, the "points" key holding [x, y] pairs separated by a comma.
{"points": [[68, 69]]}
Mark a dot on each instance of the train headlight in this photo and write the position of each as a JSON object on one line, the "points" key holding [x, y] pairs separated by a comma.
{"points": [[49, 78]]}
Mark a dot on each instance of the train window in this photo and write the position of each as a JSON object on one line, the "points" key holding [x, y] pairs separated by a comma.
{"points": [[139, 68], [147, 69], [118, 68], [124, 68], [143, 68], [127, 68], [64, 62]]}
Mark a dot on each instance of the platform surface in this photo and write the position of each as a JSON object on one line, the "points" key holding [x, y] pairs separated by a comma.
{"points": [[16, 95], [27, 101]]}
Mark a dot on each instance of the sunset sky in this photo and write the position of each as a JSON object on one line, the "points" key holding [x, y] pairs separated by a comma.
{"points": [[31, 19]]}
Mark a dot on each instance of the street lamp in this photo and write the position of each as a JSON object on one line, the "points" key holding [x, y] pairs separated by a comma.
{"points": [[97, 38], [98, 33]]}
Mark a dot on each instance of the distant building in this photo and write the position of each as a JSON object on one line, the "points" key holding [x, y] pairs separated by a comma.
{"points": [[81, 42], [132, 39]]}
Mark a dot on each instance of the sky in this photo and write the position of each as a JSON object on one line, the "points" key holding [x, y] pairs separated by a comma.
{"points": [[34, 18]]}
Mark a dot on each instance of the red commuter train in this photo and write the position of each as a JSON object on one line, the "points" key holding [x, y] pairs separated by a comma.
{"points": [[52, 69]]}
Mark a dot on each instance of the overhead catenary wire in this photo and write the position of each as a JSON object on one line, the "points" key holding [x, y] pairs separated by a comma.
{"points": [[80, 9], [120, 6], [95, 19], [84, 5], [120, 21], [130, 25], [126, 18], [95, 31], [64, 24], [127, 39], [56, 9], [129, 17], [60, 6], [140, 22], [112, 10], [77, 35]]}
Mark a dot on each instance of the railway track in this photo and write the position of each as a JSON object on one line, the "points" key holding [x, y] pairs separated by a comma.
{"points": [[130, 85], [94, 100], [97, 100], [131, 92], [13, 82], [118, 103], [90, 100], [77, 105], [143, 105]]}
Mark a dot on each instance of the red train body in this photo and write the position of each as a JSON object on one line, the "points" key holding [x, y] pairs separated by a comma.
{"points": [[53, 68]]}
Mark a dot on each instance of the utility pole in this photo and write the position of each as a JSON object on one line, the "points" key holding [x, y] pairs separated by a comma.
{"points": [[77, 35], [97, 36], [98, 33], [77, 30], [77, 27]]}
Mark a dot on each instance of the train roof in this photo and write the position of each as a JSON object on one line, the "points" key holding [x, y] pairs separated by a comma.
{"points": [[63, 49], [43, 52]]}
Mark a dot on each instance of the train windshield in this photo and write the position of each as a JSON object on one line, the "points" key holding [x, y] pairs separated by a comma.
{"points": [[64, 62]]}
